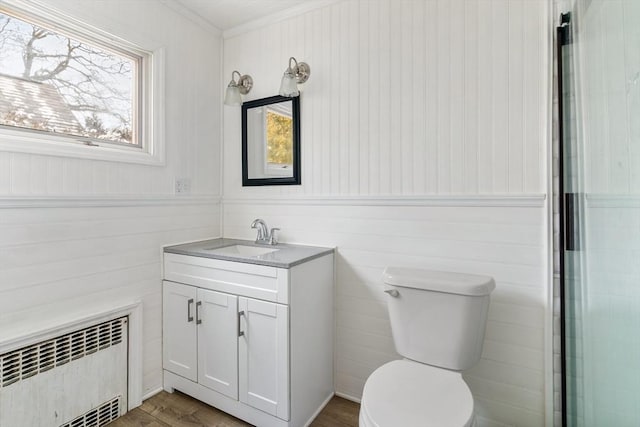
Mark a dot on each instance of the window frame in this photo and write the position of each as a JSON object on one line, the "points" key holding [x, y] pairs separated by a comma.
{"points": [[149, 105]]}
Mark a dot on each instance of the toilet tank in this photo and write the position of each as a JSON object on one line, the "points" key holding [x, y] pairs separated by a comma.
{"points": [[438, 317]]}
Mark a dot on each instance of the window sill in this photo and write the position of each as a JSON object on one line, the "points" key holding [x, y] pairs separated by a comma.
{"points": [[19, 141]]}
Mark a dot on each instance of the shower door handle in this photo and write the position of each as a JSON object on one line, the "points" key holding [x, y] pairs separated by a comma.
{"points": [[571, 221]]}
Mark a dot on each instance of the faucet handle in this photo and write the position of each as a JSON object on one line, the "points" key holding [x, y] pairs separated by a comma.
{"points": [[273, 240]]}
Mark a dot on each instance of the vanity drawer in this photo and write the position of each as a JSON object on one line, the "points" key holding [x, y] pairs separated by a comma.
{"points": [[255, 281]]}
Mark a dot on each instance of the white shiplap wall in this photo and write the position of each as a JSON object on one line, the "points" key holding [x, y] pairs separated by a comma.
{"points": [[73, 229], [416, 113], [407, 97]]}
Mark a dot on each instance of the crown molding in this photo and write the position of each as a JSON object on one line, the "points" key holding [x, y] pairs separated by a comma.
{"points": [[181, 9], [276, 17]]}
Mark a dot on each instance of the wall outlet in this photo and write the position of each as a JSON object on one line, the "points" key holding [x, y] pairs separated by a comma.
{"points": [[183, 186]]}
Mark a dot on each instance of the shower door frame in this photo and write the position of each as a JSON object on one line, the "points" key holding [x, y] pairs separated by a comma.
{"points": [[566, 238]]}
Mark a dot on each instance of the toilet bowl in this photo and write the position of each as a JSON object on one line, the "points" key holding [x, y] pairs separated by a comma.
{"points": [[438, 321], [410, 394]]}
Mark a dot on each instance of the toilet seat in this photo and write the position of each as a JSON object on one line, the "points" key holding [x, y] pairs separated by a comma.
{"points": [[411, 394]]}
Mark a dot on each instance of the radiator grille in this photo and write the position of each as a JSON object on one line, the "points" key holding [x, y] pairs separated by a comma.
{"points": [[37, 358], [99, 416]]}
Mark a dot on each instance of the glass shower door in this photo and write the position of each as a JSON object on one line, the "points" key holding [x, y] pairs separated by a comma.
{"points": [[601, 213], [569, 212]]}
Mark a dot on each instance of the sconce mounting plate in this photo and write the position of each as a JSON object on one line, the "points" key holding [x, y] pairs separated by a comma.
{"points": [[245, 83], [303, 71]]}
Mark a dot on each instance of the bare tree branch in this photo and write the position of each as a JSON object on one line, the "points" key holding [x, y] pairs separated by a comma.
{"points": [[91, 80], [3, 26], [28, 52]]}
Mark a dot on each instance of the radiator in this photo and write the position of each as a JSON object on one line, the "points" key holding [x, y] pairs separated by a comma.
{"points": [[78, 379]]}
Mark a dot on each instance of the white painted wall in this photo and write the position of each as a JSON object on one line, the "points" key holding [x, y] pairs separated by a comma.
{"points": [[83, 229], [424, 144]]}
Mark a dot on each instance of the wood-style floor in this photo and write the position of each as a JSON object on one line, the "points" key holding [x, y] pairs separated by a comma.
{"points": [[179, 410]]}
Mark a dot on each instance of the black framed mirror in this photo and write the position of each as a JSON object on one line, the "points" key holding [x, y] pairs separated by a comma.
{"points": [[271, 141]]}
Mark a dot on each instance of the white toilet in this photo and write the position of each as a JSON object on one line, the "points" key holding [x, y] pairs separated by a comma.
{"points": [[438, 321]]}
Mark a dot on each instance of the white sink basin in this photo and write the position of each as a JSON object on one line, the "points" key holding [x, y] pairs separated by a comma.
{"points": [[241, 250]]}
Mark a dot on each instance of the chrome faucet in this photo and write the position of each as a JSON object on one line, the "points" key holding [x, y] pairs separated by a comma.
{"points": [[262, 230], [265, 237]]}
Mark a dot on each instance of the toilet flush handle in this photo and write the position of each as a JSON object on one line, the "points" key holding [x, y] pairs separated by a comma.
{"points": [[394, 293]]}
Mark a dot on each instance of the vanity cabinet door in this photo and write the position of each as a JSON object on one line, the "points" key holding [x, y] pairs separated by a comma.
{"points": [[264, 356], [179, 330], [218, 342]]}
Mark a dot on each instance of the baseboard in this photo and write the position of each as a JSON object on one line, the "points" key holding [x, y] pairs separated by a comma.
{"points": [[151, 393], [348, 397], [315, 414]]}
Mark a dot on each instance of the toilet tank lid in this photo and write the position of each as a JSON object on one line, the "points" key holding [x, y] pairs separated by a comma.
{"points": [[439, 281]]}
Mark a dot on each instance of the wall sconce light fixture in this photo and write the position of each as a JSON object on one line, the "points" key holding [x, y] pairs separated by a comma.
{"points": [[236, 88], [299, 73]]}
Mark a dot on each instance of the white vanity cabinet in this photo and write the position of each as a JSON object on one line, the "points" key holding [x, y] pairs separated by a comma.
{"points": [[255, 341], [197, 325]]}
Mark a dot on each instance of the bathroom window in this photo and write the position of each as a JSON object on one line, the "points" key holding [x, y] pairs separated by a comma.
{"points": [[67, 87]]}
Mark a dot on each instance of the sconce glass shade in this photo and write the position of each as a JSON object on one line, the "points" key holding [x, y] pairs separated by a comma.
{"points": [[297, 72], [232, 96], [289, 85], [237, 88]]}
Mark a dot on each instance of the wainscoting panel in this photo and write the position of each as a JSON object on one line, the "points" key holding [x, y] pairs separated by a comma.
{"points": [[101, 253], [507, 243]]}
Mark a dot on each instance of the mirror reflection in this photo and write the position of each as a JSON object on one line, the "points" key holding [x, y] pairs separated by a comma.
{"points": [[270, 135], [270, 141]]}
